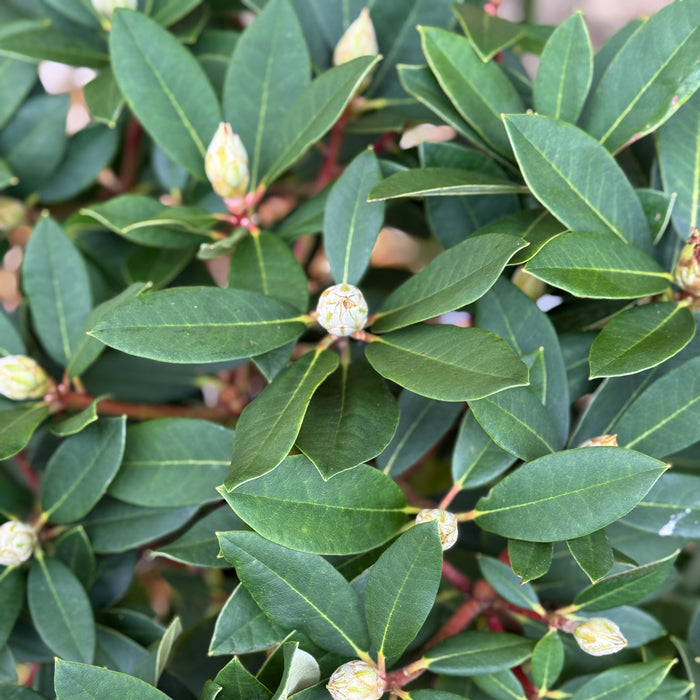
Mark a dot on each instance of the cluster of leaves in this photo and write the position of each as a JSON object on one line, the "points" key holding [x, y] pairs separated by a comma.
{"points": [[587, 176]]}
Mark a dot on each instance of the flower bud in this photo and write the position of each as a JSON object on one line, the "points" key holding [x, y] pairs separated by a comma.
{"points": [[688, 267], [342, 309], [599, 636], [12, 213], [107, 7], [226, 163], [359, 40], [356, 680], [447, 524], [22, 378], [601, 441], [17, 542]]}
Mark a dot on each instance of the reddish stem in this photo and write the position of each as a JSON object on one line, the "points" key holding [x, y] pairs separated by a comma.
{"points": [[27, 472], [130, 158], [450, 496], [528, 686], [329, 167], [460, 619], [456, 577]]}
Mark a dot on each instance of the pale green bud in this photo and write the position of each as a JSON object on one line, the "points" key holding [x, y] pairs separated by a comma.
{"points": [[601, 441], [356, 680], [447, 524], [17, 542], [12, 213], [107, 7], [226, 163], [599, 636], [688, 267], [21, 378], [342, 309], [359, 40]]}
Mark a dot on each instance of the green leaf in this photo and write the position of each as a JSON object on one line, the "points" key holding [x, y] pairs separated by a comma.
{"points": [[440, 182], [502, 685], [16, 80], [11, 343], [455, 278], [242, 627], [565, 71], [351, 224], [593, 554], [165, 87], [657, 207], [401, 589], [640, 338], [173, 462], [60, 610], [56, 282], [269, 68], [641, 89], [476, 458], [446, 362], [18, 692], [529, 560], [81, 469], [679, 150], [167, 12], [475, 653], [597, 484], [18, 424], [265, 264], [268, 427], [156, 266], [664, 418], [236, 682], [517, 421], [360, 509], [298, 590], [74, 549], [12, 587], [350, 420], [314, 111], [7, 177], [487, 33], [563, 167], [81, 682], [104, 98], [481, 92], [632, 680], [301, 671], [547, 661], [598, 266], [77, 11], [508, 585], [422, 423], [199, 324]]}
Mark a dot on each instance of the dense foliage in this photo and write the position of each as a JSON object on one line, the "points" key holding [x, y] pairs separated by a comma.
{"points": [[471, 473]]}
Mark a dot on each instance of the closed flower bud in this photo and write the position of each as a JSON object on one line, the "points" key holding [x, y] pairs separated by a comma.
{"points": [[12, 213], [17, 542], [342, 309], [356, 680], [599, 636], [447, 524], [226, 163], [601, 441], [359, 40], [22, 378], [107, 7], [688, 267]]}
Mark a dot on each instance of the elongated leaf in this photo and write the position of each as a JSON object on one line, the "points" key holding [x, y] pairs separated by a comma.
{"points": [[350, 420], [440, 182], [640, 89], [598, 484], [12, 588], [17, 425], [351, 223], [455, 278], [502, 685], [631, 680], [401, 589], [507, 584], [314, 112], [60, 610], [297, 590], [165, 87], [474, 653], [563, 167], [640, 338], [104, 98], [529, 560], [16, 80], [81, 469], [268, 427], [173, 462], [598, 266], [481, 92], [547, 660], [360, 509], [74, 549], [593, 553], [56, 282], [236, 682], [565, 71], [199, 324], [446, 362], [167, 12], [488, 34]]}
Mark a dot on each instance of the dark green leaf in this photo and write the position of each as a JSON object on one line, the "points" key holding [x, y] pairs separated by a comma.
{"points": [[17, 425], [74, 549], [12, 587], [502, 685], [11, 343], [104, 98], [657, 207], [636, 681], [236, 682], [76, 422], [16, 80], [488, 34], [547, 661], [508, 585], [529, 560], [167, 12], [156, 266], [7, 177], [593, 554]]}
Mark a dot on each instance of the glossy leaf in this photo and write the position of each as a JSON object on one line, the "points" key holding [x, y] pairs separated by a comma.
{"points": [[297, 590], [17, 425], [236, 682], [446, 362], [360, 509], [563, 167], [211, 325], [597, 484], [74, 549], [16, 80], [631, 680], [529, 560], [507, 584], [165, 87], [640, 338], [267, 428], [78, 421], [12, 588], [593, 554], [547, 660], [488, 33]]}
